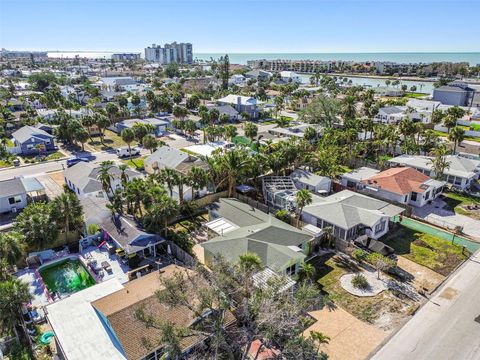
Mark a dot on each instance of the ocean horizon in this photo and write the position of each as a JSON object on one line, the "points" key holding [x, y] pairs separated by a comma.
{"points": [[473, 58]]}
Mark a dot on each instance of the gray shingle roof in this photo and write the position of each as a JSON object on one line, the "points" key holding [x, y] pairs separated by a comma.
{"points": [[307, 177], [347, 209], [11, 187], [27, 132]]}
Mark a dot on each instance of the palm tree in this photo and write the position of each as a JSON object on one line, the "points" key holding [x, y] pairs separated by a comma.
{"points": [[68, 212], [102, 122], [349, 111], [449, 121], [81, 135], [250, 130], [13, 295], [12, 247], [123, 175], [198, 179], [308, 271], [169, 177], [160, 214], [457, 135], [104, 175], [320, 338], [128, 135], [233, 163], [439, 162], [135, 193], [248, 264], [150, 143], [37, 225], [302, 198]]}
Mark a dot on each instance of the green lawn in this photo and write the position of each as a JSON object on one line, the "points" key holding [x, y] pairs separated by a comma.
{"points": [[135, 163], [245, 141], [475, 127], [414, 95], [5, 163], [455, 202], [433, 252], [365, 308], [55, 156], [111, 140]]}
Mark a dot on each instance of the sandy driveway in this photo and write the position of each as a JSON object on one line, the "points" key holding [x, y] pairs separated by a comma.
{"points": [[424, 277], [350, 338]]}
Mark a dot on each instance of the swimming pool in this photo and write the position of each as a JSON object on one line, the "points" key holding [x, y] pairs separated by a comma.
{"points": [[66, 276]]}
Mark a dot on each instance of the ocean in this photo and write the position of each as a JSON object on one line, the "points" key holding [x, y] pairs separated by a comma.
{"points": [[473, 58]]}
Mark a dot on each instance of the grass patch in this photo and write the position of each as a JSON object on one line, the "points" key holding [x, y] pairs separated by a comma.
{"points": [[111, 140], [328, 273], [242, 140], [55, 156], [456, 201], [5, 163], [424, 249], [135, 163], [414, 95]]}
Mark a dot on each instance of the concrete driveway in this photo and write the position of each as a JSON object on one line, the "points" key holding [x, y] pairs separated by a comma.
{"points": [[438, 214]]}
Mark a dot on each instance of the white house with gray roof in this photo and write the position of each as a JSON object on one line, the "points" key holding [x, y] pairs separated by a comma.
{"points": [[246, 104], [15, 193], [304, 179], [461, 172], [351, 214], [82, 178]]}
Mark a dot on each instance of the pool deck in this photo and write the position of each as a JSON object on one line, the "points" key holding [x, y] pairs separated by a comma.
{"points": [[37, 288]]}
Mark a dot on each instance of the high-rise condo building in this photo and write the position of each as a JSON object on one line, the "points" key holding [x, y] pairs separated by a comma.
{"points": [[180, 53]]}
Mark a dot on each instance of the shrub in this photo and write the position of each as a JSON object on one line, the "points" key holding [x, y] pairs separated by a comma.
{"points": [[359, 254], [359, 281], [283, 215]]}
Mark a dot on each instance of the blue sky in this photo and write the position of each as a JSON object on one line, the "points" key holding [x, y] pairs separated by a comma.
{"points": [[242, 26]]}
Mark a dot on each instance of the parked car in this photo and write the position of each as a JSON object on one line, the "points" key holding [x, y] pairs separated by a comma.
{"points": [[124, 152], [16, 162], [76, 160]]}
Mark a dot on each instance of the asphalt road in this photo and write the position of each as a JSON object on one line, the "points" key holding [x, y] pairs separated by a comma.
{"points": [[447, 327]]}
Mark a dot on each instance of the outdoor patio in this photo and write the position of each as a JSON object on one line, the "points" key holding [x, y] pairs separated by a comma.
{"points": [[100, 255]]}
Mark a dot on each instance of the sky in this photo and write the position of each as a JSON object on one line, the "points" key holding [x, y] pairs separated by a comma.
{"points": [[242, 26]]}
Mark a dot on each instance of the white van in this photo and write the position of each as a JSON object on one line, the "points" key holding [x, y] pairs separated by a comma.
{"points": [[123, 152]]}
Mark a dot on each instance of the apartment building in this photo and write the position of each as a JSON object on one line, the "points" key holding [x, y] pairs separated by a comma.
{"points": [[180, 53]]}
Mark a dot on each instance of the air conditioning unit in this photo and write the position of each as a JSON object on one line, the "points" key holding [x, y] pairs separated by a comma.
{"points": [[14, 210]]}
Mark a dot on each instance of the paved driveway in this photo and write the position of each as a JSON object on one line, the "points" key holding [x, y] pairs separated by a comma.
{"points": [[438, 214]]}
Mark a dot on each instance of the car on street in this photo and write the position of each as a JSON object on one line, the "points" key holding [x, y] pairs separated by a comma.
{"points": [[125, 151], [75, 160]]}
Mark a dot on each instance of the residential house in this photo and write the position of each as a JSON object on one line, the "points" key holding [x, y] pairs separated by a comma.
{"points": [[171, 158], [17, 192], [243, 104], [350, 215], [258, 75], [159, 125], [48, 115], [295, 131], [390, 114], [28, 140], [290, 76], [461, 172], [100, 322], [83, 179], [238, 228], [351, 179], [457, 93], [121, 83], [403, 185], [304, 179], [233, 115], [237, 79], [388, 91]]}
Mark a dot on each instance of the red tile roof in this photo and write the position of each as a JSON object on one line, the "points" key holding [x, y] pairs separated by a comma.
{"points": [[400, 180]]}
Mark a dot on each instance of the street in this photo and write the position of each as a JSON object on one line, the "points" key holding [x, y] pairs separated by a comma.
{"points": [[447, 327]]}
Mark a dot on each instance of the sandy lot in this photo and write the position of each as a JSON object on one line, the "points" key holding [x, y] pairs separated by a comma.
{"points": [[350, 338], [424, 277]]}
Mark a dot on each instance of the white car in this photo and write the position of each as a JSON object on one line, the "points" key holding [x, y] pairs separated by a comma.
{"points": [[124, 152]]}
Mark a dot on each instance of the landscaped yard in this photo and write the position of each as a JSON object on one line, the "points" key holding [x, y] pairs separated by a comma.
{"points": [[369, 309], [433, 252], [5, 163], [111, 140], [414, 95]]}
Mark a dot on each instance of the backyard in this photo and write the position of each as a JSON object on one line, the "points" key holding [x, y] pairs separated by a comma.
{"points": [[135, 163], [384, 310], [427, 250]]}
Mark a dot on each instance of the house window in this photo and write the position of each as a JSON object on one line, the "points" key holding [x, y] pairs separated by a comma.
{"points": [[380, 227], [406, 198], [15, 200], [413, 197], [291, 270], [458, 181]]}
